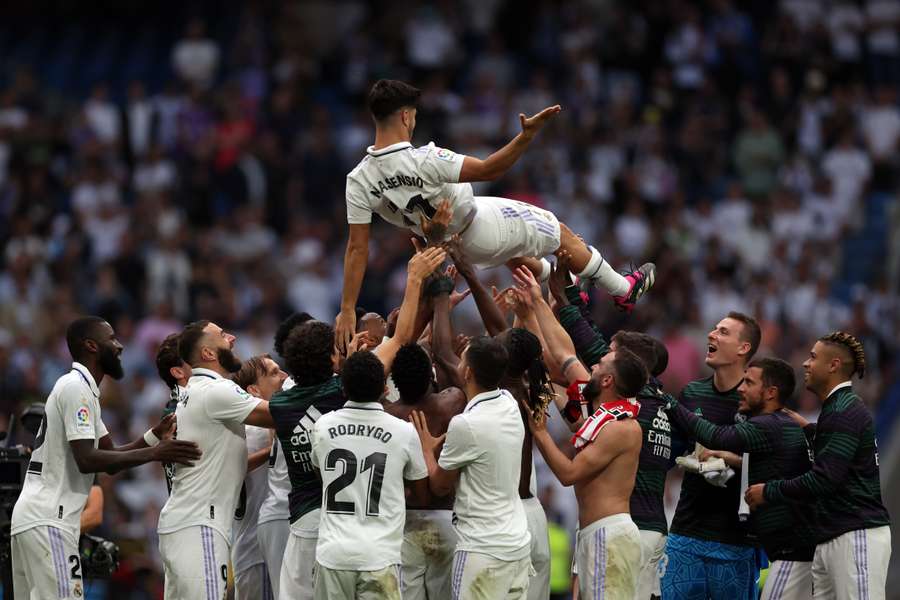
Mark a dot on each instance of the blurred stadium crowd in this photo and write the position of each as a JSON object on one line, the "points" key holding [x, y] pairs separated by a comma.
{"points": [[750, 149]]}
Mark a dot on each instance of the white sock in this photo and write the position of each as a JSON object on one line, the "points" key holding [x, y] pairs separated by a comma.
{"points": [[545, 270], [604, 276]]}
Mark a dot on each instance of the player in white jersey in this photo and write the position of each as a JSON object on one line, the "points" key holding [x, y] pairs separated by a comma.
{"points": [[195, 524], [481, 458], [261, 377], [274, 522], [72, 445], [404, 185], [366, 458]]}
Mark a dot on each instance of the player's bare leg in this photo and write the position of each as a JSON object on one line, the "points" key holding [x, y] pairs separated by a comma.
{"points": [[586, 262]]}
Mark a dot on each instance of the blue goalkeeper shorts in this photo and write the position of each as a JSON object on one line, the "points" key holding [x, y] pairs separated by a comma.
{"points": [[695, 569]]}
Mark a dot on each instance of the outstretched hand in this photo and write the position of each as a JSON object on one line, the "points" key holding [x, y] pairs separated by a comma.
{"points": [[165, 429], [526, 281], [559, 278], [177, 451], [344, 329], [422, 264], [531, 125], [435, 229], [429, 442]]}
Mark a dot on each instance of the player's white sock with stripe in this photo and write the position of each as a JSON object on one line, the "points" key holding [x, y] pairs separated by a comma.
{"points": [[545, 270], [602, 275]]}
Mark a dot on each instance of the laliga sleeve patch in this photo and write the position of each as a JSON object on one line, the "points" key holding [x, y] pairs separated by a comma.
{"points": [[83, 420], [444, 154]]}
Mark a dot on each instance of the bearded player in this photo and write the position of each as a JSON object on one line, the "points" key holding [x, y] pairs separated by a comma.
{"points": [[73, 444], [608, 446], [404, 184]]}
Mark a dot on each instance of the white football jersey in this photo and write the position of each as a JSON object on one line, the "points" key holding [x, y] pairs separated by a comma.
{"points": [[402, 184], [364, 454], [245, 550], [485, 443], [212, 415], [275, 506], [55, 491]]}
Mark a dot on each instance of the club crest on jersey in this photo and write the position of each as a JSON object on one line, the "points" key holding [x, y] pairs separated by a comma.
{"points": [[444, 154], [83, 419]]}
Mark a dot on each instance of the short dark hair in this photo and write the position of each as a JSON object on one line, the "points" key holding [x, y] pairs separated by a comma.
{"points": [[388, 96], [251, 370], [629, 372], [412, 371], [79, 330], [750, 332], [777, 373], [189, 339], [487, 358], [167, 358], [363, 377], [285, 328], [662, 358], [851, 346], [307, 353], [640, 343]]}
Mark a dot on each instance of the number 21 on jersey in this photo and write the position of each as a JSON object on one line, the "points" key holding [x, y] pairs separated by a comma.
{"points": [[373, 463]]}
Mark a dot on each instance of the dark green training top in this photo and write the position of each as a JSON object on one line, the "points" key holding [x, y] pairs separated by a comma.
{"points": [[777, 447], [844, 481], [295, 411], [707, 512]]}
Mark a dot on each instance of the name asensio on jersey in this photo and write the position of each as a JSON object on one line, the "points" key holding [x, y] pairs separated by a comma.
{"points": [[398, 180], [372, 431]]}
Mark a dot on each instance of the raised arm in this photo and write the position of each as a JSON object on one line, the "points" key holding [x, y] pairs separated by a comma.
{"points": [[558, 341], [494, 321], [498, 163], [446, 362], [355, 259], [420, 266], [589, 343]]}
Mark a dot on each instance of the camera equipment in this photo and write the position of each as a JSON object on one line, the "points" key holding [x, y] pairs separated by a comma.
{"points": [[99, 557], [13, 464]]}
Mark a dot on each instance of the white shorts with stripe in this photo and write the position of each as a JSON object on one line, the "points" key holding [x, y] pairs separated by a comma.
{"points": [[298, 569], [504, 229], [539, 586], [608, 555], [853, 565], [272, 537], [334, 584], [427, 554], [478, 576], [195, 560], [46, 565], [653, 546], [788, 580], [253, 583]]}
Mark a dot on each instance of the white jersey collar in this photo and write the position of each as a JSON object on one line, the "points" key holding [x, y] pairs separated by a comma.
{"points": [[837, 387], [371, 151], [88, 378], [483, 397], [364, 405], [204, 373]]}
